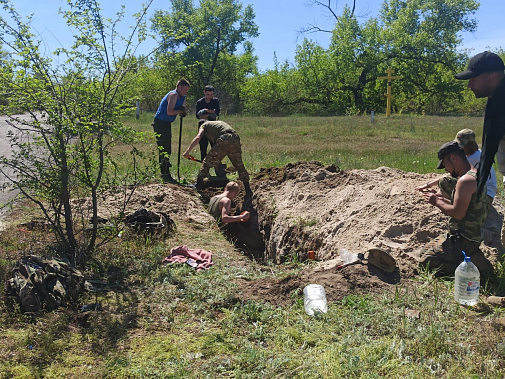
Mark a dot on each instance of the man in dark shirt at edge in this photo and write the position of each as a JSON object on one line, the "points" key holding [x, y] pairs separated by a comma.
{"points": [[486, 78]]}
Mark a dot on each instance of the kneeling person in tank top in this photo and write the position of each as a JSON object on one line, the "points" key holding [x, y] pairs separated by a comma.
{"points": [[219, 205]]}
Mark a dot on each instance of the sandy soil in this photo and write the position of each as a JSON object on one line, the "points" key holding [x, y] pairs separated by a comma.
{"points": [[306, 206]]}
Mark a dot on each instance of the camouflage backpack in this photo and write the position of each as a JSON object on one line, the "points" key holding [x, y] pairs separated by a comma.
{"points": [[44, 283]]}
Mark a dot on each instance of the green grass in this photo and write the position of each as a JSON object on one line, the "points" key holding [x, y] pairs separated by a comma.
{"points": [[171, 322], [409, 143]]}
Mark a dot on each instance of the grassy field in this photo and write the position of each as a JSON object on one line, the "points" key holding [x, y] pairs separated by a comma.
{"points": [[162, 322], [409, 143]]}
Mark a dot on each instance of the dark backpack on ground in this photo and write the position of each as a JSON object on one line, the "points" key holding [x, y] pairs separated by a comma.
{"points": [[144, 220], [40, 283]]}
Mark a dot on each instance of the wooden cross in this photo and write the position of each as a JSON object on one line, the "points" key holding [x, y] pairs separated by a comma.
{"points": [[389, 96]]}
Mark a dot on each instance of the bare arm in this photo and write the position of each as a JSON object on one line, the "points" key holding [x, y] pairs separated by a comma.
{"points": [[172, 100], [465, 188], [194, 143], [427, 186], [225, 204]]}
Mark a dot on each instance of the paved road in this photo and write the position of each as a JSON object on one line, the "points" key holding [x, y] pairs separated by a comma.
{"points": [[5, 149]]}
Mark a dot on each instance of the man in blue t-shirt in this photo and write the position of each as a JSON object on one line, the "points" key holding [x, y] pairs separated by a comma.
{"points": [[173, 104]]}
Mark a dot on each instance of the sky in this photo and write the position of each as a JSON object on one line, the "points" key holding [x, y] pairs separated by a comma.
{"points": [[279, 23]]}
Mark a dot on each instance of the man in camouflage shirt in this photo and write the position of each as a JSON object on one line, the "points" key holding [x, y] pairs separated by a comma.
{"points": [[466, 210], [225, 142]]}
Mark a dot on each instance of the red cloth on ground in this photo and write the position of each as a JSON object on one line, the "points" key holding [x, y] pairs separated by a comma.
{"points": [[181, 253]]}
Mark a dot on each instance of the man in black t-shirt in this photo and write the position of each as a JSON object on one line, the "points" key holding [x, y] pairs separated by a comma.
{"points": [[207, 108]]}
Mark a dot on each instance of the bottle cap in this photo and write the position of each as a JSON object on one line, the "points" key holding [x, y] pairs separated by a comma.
{"points": [[467, 259]]}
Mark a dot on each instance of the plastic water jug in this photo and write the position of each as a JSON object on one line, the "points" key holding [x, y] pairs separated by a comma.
{"points": [[315, 299], [467, 283]]}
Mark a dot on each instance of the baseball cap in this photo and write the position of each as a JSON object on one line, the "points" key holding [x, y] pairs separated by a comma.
{"points": [[481, 63], [465, 136], [447, 148]]}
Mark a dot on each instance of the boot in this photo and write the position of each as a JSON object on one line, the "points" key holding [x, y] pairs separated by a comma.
{"points": [[221, 171], [165, 170], [167, 178], [248, 191], [199, 184]]}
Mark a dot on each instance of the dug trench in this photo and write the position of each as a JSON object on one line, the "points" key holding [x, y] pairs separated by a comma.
{"points": [[307, 206]]}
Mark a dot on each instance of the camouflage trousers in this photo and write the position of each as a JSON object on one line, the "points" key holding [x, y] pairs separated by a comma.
{"points": [[445, 254], [226, 145]]}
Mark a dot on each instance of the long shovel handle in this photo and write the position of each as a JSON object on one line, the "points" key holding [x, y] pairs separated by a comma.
{"points": [[179, 154]]}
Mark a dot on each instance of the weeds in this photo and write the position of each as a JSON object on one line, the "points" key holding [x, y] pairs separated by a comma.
{"points": [[170, 321]]}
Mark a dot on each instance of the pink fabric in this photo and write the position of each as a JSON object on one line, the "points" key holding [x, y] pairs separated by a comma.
{"points": [[181, 253]]}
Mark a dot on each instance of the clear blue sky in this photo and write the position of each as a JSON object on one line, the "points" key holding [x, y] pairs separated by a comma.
{"points": [[278, 20]]}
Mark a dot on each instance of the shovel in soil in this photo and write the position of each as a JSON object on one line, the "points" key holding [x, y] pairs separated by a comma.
{"points": [[361, 256]]}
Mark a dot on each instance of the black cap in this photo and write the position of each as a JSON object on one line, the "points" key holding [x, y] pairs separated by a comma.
{"points": [[481, 63], [447, 148]]}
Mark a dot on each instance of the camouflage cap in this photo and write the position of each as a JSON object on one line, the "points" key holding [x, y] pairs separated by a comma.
{"points": [[465, 136]]}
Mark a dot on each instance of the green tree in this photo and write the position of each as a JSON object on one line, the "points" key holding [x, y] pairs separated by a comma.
{"points": [[274, 92], [72, 116], [146, 82], [201, 42], [316, 71], [419, 39]]}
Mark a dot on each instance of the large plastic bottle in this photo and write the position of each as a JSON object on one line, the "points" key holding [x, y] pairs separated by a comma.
{"points": [[467, 283], [314, 299]]}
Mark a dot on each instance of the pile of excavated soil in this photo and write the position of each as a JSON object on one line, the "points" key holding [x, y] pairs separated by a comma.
{"points": [[306, 206], [180, 203]]}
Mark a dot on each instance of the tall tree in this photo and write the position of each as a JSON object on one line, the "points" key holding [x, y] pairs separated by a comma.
{"points": [[418, 38], [201, 42], [72, 116], [274, 92]]}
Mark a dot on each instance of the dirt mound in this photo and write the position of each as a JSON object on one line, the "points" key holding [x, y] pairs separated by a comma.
{"points": [[180, 203], [307, 206]]}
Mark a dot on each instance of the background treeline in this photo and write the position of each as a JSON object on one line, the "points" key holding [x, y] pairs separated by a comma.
{"points": [[211, 42]]}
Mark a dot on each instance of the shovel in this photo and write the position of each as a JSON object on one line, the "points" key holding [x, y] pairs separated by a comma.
{"points": [[179, 154], [190, 157], [361, 256]]}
